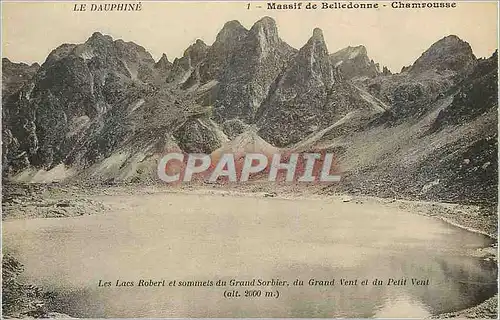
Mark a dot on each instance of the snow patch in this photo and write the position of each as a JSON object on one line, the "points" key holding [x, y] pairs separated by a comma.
{"points": [[31, 86], [354, 53], [186, 76], [133, 165], [56, 174], [77, 124], [264, 46], [111, 163], [314, 137], [133, 71], [137, 105], [429, 185], [87, 54], [207, 86], [312, 60], [376, 103]]}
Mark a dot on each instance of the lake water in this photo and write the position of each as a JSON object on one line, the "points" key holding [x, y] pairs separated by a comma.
{"points": [[213, 237]]}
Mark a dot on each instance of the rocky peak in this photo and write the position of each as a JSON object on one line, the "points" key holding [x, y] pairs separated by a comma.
{"points": [[360, 50], [98, 37], [318, 35], [265, 32], [356, 51], [185, 70], [14, 75], [194, 54], [354, 62], [314, 55], [349, 53], [252, 67], [19, 68], [59, 53], [310, 64], [97, 44], [230, 32], [301, 93], [102, 55], [133, 53], [267, 25], [197, 48], [449, 53], [386, 71], [163, 64], [228, 41]]}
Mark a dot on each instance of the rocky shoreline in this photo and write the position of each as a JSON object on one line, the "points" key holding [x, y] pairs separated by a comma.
{"points": [[486, 310], [21, 300]]}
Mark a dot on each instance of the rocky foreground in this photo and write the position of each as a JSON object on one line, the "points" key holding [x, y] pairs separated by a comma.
{"points": [[486, 310]]}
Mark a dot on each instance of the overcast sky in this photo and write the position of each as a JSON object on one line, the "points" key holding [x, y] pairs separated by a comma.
{"points": [[393, 37]]}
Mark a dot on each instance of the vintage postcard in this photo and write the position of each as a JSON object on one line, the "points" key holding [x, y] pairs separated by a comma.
{"points": [[229, 159]]}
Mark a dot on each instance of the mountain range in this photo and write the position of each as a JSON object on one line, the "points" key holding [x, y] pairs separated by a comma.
{"points": [[105, 110]]}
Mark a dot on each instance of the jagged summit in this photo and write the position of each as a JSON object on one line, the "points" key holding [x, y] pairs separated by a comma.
{"points": [[200, 42], [314, 56], [15, 75], [233, 24], [163, 63], [7, 61], [98, 37], [228, 41], [250, 70], [107, 104], [448, 53], [311, 63], [194, 54], [450, 39], [350, 52], [301, 93], [197, 45], [358, 50], [163, 58], [354, 62], [317, 33], [265, 23], [266, 30], [232, 30], [315, 40]]}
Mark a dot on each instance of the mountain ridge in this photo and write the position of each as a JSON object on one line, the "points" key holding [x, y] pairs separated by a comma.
{"points": [[105, 109], [158, 55]]}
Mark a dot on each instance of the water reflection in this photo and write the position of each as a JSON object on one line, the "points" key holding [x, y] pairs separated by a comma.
{"points": [[203, 240], [401, 306]]}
